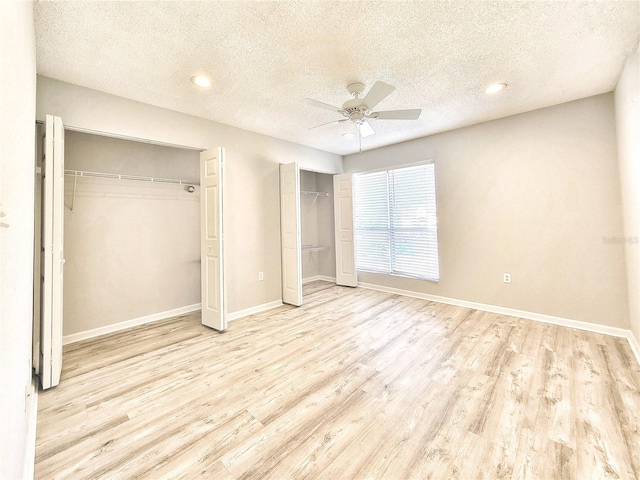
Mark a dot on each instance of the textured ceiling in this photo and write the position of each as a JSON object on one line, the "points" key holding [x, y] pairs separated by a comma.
{"points": [[264, 57]]}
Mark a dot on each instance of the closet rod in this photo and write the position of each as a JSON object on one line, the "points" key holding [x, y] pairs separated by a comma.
{"points": [[82, 173], [321, 194]]}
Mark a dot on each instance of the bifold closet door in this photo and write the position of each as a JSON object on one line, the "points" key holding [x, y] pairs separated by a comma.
{"points": [[346, 273], [291, 234], [212, 238], [52, 260]]}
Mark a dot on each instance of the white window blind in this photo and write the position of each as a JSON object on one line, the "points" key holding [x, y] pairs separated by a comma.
{"points": [[396, 227]]}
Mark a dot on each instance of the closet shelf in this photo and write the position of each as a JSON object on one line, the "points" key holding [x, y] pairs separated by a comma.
{"points": [[320, 194], [82, 173], [311, 248], [317, 194]]}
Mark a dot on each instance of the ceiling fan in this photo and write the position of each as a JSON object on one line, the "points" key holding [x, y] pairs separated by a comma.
{"points": [[360, 110]]}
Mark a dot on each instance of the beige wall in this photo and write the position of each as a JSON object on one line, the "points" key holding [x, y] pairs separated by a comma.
{"points": [[252, 201], [534, 195], [132, 248], [17, 154], [113, 155], [627, 106]]}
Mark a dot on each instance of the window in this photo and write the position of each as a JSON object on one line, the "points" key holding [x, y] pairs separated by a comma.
{"points": [[396, 228]]}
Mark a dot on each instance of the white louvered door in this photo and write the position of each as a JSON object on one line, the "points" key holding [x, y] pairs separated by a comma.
{"points": [[52, 261], [346, 273], [290, 234], [212, 238]]}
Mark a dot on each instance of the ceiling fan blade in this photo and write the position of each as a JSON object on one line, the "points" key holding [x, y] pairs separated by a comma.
{"points": [[378, 92], [398, 114], [342, 120], [315, 103], [366, 130]]}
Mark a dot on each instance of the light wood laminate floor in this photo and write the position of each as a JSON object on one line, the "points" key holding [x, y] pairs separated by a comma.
{"points": [[354, 384]]}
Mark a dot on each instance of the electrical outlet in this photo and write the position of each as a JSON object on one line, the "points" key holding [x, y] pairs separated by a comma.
{"points": [[261, 276], [507, 278]]}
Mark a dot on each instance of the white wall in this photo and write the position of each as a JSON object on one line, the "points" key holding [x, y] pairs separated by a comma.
{"points": [[252, 200], [132, 248], [17, 154], [536, 195], [627, 106]]}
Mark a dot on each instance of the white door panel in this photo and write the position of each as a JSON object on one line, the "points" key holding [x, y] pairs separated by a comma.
{"points": [[346, 273], [290, 234], [52, 260], [212, 238]]}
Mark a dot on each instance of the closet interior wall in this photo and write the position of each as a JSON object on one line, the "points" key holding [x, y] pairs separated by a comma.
{"points": [[317, 225], [132, 247]]}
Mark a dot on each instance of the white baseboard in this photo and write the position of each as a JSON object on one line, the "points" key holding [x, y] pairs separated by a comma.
{"points": [[253, 310], [30, 446], [315, 278], [538, 317], [634, 343], [134, 322]]}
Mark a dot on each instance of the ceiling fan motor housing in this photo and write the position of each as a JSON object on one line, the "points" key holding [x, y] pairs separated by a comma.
{"points": [[355, 105]]}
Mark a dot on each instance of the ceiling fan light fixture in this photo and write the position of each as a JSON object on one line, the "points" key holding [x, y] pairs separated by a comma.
{"points": [[495, 88], [201, 81]]}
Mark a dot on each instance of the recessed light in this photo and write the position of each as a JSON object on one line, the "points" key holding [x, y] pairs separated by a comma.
{"points": [[496, 87], [201, 81], [349, 134]]}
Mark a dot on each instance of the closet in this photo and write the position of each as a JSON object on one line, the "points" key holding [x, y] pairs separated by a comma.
{"points": [[132, 230], [316, 222], [317, 226], [131, 233]]}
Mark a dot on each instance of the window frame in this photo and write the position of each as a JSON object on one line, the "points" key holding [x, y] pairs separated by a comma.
{"points": [[437, 232]]}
